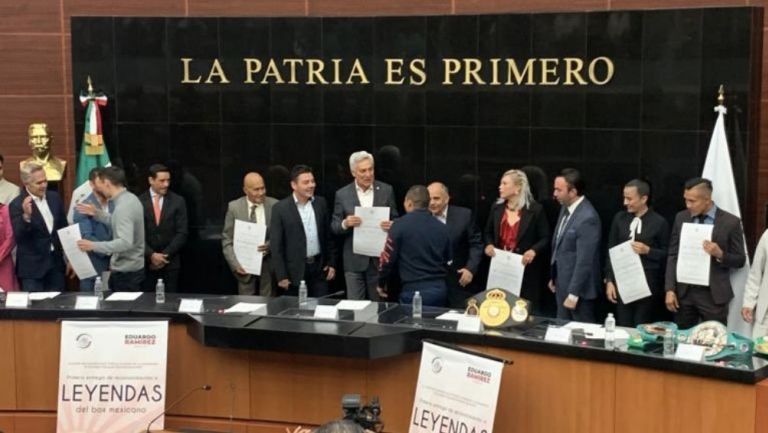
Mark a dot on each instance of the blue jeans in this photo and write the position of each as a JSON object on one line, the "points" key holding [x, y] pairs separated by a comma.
{"points": [[433, 293]]}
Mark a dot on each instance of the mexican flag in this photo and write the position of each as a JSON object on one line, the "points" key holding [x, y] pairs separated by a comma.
{"points": [[93, 152]]}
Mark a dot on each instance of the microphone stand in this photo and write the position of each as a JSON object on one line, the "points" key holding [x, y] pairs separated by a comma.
{"points": [[179, 400]]}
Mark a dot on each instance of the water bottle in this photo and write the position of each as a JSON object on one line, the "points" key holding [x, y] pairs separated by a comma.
{"points": [[610, 331], [98, 289], [669, 342], [303, 294], [416, 305], [160, 291]]}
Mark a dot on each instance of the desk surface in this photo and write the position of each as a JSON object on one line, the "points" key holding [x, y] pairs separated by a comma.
{"points": [[381, 331]]}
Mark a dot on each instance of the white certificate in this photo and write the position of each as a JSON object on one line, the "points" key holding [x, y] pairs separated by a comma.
{"points": [[79, 259], [506, 272], [692, 261], [628, 273], [368, 238], [248, 238]]}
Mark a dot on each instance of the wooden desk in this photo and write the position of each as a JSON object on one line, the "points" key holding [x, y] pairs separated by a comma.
{"points": [[269, 392]]}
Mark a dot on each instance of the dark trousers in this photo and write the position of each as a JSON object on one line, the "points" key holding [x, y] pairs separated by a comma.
{"points": [[697, 306], [170, 278], [584, 311], [362, 285], [433, 293], [314, 276], [52, 280], [126, 281], [635, 313]]}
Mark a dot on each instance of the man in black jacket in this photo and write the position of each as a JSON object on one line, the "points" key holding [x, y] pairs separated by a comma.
{"points": [[466, 244], [300, 237], [165, 224], [419, 247]]}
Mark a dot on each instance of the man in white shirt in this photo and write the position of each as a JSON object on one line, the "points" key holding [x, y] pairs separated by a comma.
{"points": [[360, 272], [36, 215]]}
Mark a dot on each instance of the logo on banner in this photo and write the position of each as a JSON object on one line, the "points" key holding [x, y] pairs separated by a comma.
{"points": [[84, 341], [437, 365]]}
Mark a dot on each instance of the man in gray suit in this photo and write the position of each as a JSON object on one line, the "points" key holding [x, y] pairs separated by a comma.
{"points": [[575, 250], [255, 206], [689, 302], [360, 272]]}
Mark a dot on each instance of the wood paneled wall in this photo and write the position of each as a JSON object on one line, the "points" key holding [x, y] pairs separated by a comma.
{"points": [[35, 55]]}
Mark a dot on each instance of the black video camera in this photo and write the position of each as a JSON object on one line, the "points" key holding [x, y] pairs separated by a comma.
{"points": [[366, 417]]}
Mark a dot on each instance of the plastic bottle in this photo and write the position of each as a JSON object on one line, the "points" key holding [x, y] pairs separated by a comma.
{"points": [[610, 331], [160, 291], [416, 305], [669, 342], [303, 294], [98, 289]]}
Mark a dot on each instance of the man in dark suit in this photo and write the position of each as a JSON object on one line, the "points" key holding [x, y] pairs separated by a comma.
{"points": [[418, 249], [360, 271], [466, 244], [300, 238], [575, 250], [692, 303], [36, 216], [165, 222], [255, 207]]}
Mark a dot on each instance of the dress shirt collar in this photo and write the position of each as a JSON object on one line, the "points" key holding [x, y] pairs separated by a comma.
{"points": [[35, 198], [252, 204], [574, 205], [360, 190], [298, 203]]}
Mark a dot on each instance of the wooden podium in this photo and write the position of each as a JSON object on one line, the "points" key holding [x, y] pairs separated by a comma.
{"points": [[272, 392]]}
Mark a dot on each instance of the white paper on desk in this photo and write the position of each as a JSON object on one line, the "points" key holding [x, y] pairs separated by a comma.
{"points": [[248, 238], [451, 315], [39, 296], [124, 296], [587, 327], [368, 238], [628, 273], [349, 304], [77, 258], [692, 261], [246, 307], [506, 272]]}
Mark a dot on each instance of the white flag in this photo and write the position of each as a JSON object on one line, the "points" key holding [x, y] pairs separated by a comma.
{"points": [[718, 169]]}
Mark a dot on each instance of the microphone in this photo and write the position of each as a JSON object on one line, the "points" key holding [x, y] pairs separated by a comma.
{"points": [[179, 400], [331, 295]]}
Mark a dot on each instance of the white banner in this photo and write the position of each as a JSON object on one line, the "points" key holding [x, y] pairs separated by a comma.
{"points": [[456, 392], [111, 376]]}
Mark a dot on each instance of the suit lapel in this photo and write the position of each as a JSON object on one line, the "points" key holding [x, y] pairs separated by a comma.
{"points": [[525, 221], [377, 197], [267, 211]]}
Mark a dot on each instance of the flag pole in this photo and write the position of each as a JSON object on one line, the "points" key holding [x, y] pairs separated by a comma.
{"points": [[721, 96]]}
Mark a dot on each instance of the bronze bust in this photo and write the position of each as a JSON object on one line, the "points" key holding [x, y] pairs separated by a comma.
{"points": [[40, 141]]}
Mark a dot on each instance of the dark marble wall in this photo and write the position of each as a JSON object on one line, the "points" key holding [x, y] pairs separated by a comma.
{"points": [[653, 120]]}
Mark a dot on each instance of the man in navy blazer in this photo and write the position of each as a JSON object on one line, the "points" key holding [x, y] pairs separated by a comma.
{"points": [[36, 215], [466, 244], [361, 272], [300, 238], [575, 250]]}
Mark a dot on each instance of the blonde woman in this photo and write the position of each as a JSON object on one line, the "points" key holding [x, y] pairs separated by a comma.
{"points": [[518, 224]]}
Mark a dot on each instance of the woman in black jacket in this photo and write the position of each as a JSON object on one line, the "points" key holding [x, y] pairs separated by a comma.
{"points": [[518, 224]]}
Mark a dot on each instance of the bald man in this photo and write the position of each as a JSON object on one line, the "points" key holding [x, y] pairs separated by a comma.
{"points": [[466, 243], [255, 206]]}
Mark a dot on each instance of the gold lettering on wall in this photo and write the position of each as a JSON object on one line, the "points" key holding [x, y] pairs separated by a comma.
{"points": [[549, 71], [186, 80]]}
